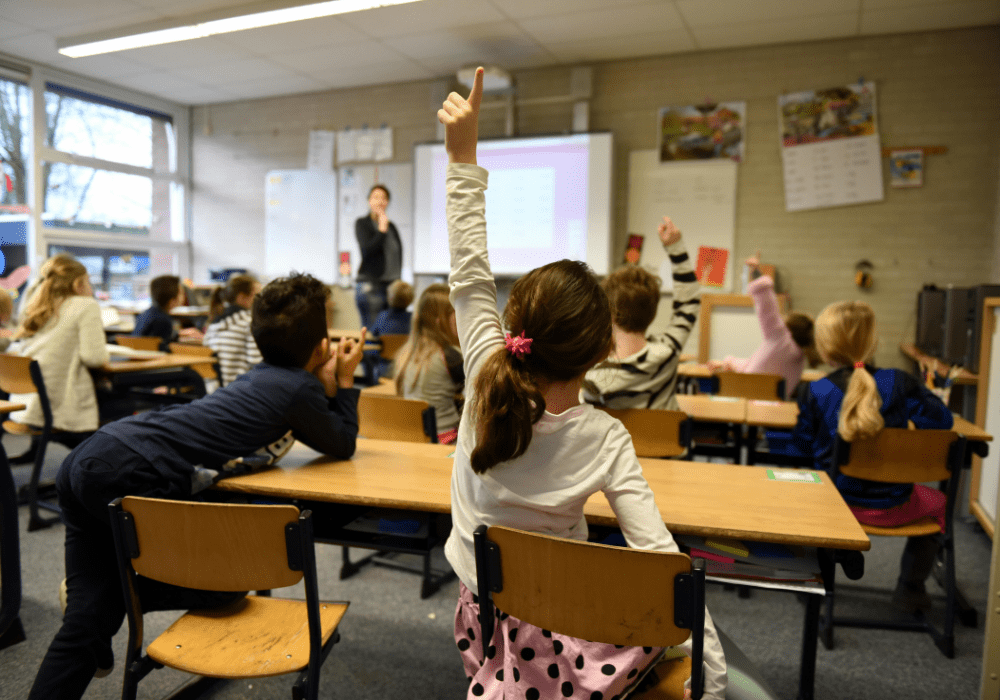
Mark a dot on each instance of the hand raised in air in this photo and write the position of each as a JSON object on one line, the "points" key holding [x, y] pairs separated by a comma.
{"points": [[460, 117]]}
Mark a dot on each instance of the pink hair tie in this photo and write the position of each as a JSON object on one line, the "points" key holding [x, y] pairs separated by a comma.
{"points": [[859, 365], [517, 345]]}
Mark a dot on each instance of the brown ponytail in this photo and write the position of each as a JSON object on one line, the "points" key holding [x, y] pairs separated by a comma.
{"points": [[235, 285], [58, 275], [845, 335], [564, 311]]}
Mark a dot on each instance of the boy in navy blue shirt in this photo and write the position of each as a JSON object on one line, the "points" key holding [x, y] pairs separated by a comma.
{"points": [[301, 386]]}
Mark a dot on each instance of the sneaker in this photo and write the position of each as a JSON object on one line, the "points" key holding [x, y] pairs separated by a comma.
{"points": [[911, 598]]}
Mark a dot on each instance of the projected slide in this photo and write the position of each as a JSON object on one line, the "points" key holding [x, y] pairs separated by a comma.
{"points": [[548, 198]]}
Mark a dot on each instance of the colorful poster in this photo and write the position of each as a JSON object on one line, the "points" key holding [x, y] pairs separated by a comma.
{"points": [[830, 147], [698, 132], [712, 264], [906, 168]]}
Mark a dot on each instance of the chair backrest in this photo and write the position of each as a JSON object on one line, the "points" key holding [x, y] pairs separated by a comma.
{"points": [[210, 546], [602, 593], [761, 387], [386, 417], [206, 370], [655, 432], [902, 456], [139, 342], [391, 343], [15, 375]]}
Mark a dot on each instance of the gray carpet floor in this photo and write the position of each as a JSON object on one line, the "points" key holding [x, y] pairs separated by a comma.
{"points": [[395, 645]]}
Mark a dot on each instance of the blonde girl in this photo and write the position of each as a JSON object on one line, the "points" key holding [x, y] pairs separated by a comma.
{"points": [[429, 366], [61, 329], [229, 332], [529, 454], [856, 401]]}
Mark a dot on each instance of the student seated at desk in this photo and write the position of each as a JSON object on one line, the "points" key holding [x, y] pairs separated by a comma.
{"points": [[229, 334], [856, 401], [395, 320], [787, 342], [529, 454], [301, 386], [61, 329], [166, 293], [429, 366], [642, 372]]}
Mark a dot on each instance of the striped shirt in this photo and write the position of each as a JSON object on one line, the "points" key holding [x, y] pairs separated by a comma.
{"points": [[229, 336], [648, 378]]}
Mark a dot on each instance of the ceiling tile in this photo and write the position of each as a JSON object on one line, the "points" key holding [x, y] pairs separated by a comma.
{"points": [[180, 8], [616, 47], [927, 17], [610, 21], [426, 16], [109, 65], [502, 43], [158, 82], [73, 16], [699, 13], [776, 31], [37, 46], [338, 57], [234, 71], [370, 74], [195, 95], [184, 54], [12, 30], [522, 9], [294, 36], [272, 86]]}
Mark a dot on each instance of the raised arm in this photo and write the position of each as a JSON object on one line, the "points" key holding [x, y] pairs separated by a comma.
{"points": [[687, 290], [765, 302], [473, 289]]}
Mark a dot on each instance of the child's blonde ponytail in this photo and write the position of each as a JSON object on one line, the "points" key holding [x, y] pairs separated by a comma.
{"points": [[845, 335]]}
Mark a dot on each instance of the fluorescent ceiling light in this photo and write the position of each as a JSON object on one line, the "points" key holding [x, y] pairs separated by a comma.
{"points": [[87, 46]]}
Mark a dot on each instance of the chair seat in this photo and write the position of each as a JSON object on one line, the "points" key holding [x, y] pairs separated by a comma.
{"points": [[924, 526], [21, 428], [215, 642]]}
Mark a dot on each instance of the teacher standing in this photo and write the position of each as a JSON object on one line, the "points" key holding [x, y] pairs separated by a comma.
{"points": [[381, 255]]}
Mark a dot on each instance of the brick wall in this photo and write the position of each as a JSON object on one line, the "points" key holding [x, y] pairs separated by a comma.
{"points": [[937, 88]]}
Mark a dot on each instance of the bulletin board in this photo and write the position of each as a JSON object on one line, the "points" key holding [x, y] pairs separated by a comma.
{"points": [[699, 196], [354, 183]]}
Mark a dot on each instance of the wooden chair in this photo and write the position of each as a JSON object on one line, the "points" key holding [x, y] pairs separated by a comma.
{"points": [[139, 342], [225, 547], [386, 417], [390, 417], [656, 433], [391, 343], [22, 375], [209, 370], [760, 387], [602, 593], [902, 456]]}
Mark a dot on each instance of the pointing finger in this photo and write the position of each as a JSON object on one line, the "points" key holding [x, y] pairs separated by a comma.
{"points": [[476, 96]]}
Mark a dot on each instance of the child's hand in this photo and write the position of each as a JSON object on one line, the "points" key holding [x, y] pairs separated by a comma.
{"points": [[753, 262], [191, 333], [669, 233], [326, 372], [461, 121], [715, 365], [348, 356]]}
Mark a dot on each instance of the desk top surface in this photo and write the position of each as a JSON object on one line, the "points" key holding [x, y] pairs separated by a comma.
{"points": [[697, 498], [8, 406], [165, 362], [724, 409]]}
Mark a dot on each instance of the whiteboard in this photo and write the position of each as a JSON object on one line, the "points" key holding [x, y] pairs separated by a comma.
{"points": [[699, 196], [354, 183], [989, 471], [300, 223]]}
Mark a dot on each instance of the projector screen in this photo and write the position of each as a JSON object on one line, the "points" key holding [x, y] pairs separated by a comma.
{"points": [[548, 198]]}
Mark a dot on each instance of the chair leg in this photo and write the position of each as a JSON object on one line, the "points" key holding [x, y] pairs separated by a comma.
{"points": [[967, 614], [35, 521]]}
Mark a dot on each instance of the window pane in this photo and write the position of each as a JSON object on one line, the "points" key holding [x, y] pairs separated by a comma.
{"points": [[15, 145], [118, 274], [97, 130]]}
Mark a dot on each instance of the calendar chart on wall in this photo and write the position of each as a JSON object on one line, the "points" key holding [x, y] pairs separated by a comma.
{"points": [[831, 153]]}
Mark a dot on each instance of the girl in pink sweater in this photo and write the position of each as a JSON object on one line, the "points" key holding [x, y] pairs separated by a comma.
{"points": [[788, 342]]}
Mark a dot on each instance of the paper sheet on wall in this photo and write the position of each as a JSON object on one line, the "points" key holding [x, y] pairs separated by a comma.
{"points": [[699, 196], [321, 150], [345, 146], [383, 143], [830, 147]]}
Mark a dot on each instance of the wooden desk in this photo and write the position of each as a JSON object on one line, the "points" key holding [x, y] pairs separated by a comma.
{"points": [[922, 359], [715, 409], [693, 497], [772, 414], [189, 312], [694, 370], [9, 407], [383, 387], [168, 361], [970, 430]]}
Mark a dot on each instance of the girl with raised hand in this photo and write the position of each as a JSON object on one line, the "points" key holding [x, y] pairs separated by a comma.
{"points": [[529, 454]]}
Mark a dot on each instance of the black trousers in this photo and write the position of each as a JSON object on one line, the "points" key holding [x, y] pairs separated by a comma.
{"points": [[94, 474]]}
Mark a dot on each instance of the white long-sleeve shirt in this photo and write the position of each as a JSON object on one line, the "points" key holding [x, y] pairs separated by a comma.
{"points": [[70, 342], [572, 455]]}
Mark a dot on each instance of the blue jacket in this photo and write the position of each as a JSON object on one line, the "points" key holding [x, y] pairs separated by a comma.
{"points": [[154, 321], [904, 399]]}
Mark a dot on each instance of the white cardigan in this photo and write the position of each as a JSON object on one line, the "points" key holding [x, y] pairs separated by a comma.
{"points": [[70, 341], [572, 454]]}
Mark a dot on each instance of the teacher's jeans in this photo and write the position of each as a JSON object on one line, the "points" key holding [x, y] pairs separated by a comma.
{"points": [[371, 300], [92, 476]]}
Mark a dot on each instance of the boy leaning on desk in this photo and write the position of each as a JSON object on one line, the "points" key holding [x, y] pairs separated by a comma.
{"points": [[303, 387]]}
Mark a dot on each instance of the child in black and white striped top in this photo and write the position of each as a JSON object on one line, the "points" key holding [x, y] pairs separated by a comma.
{"points": [[229, 332], [642, 370]]}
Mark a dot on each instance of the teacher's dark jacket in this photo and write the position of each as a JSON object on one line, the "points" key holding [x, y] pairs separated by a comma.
{"points": [[372, 244]]}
